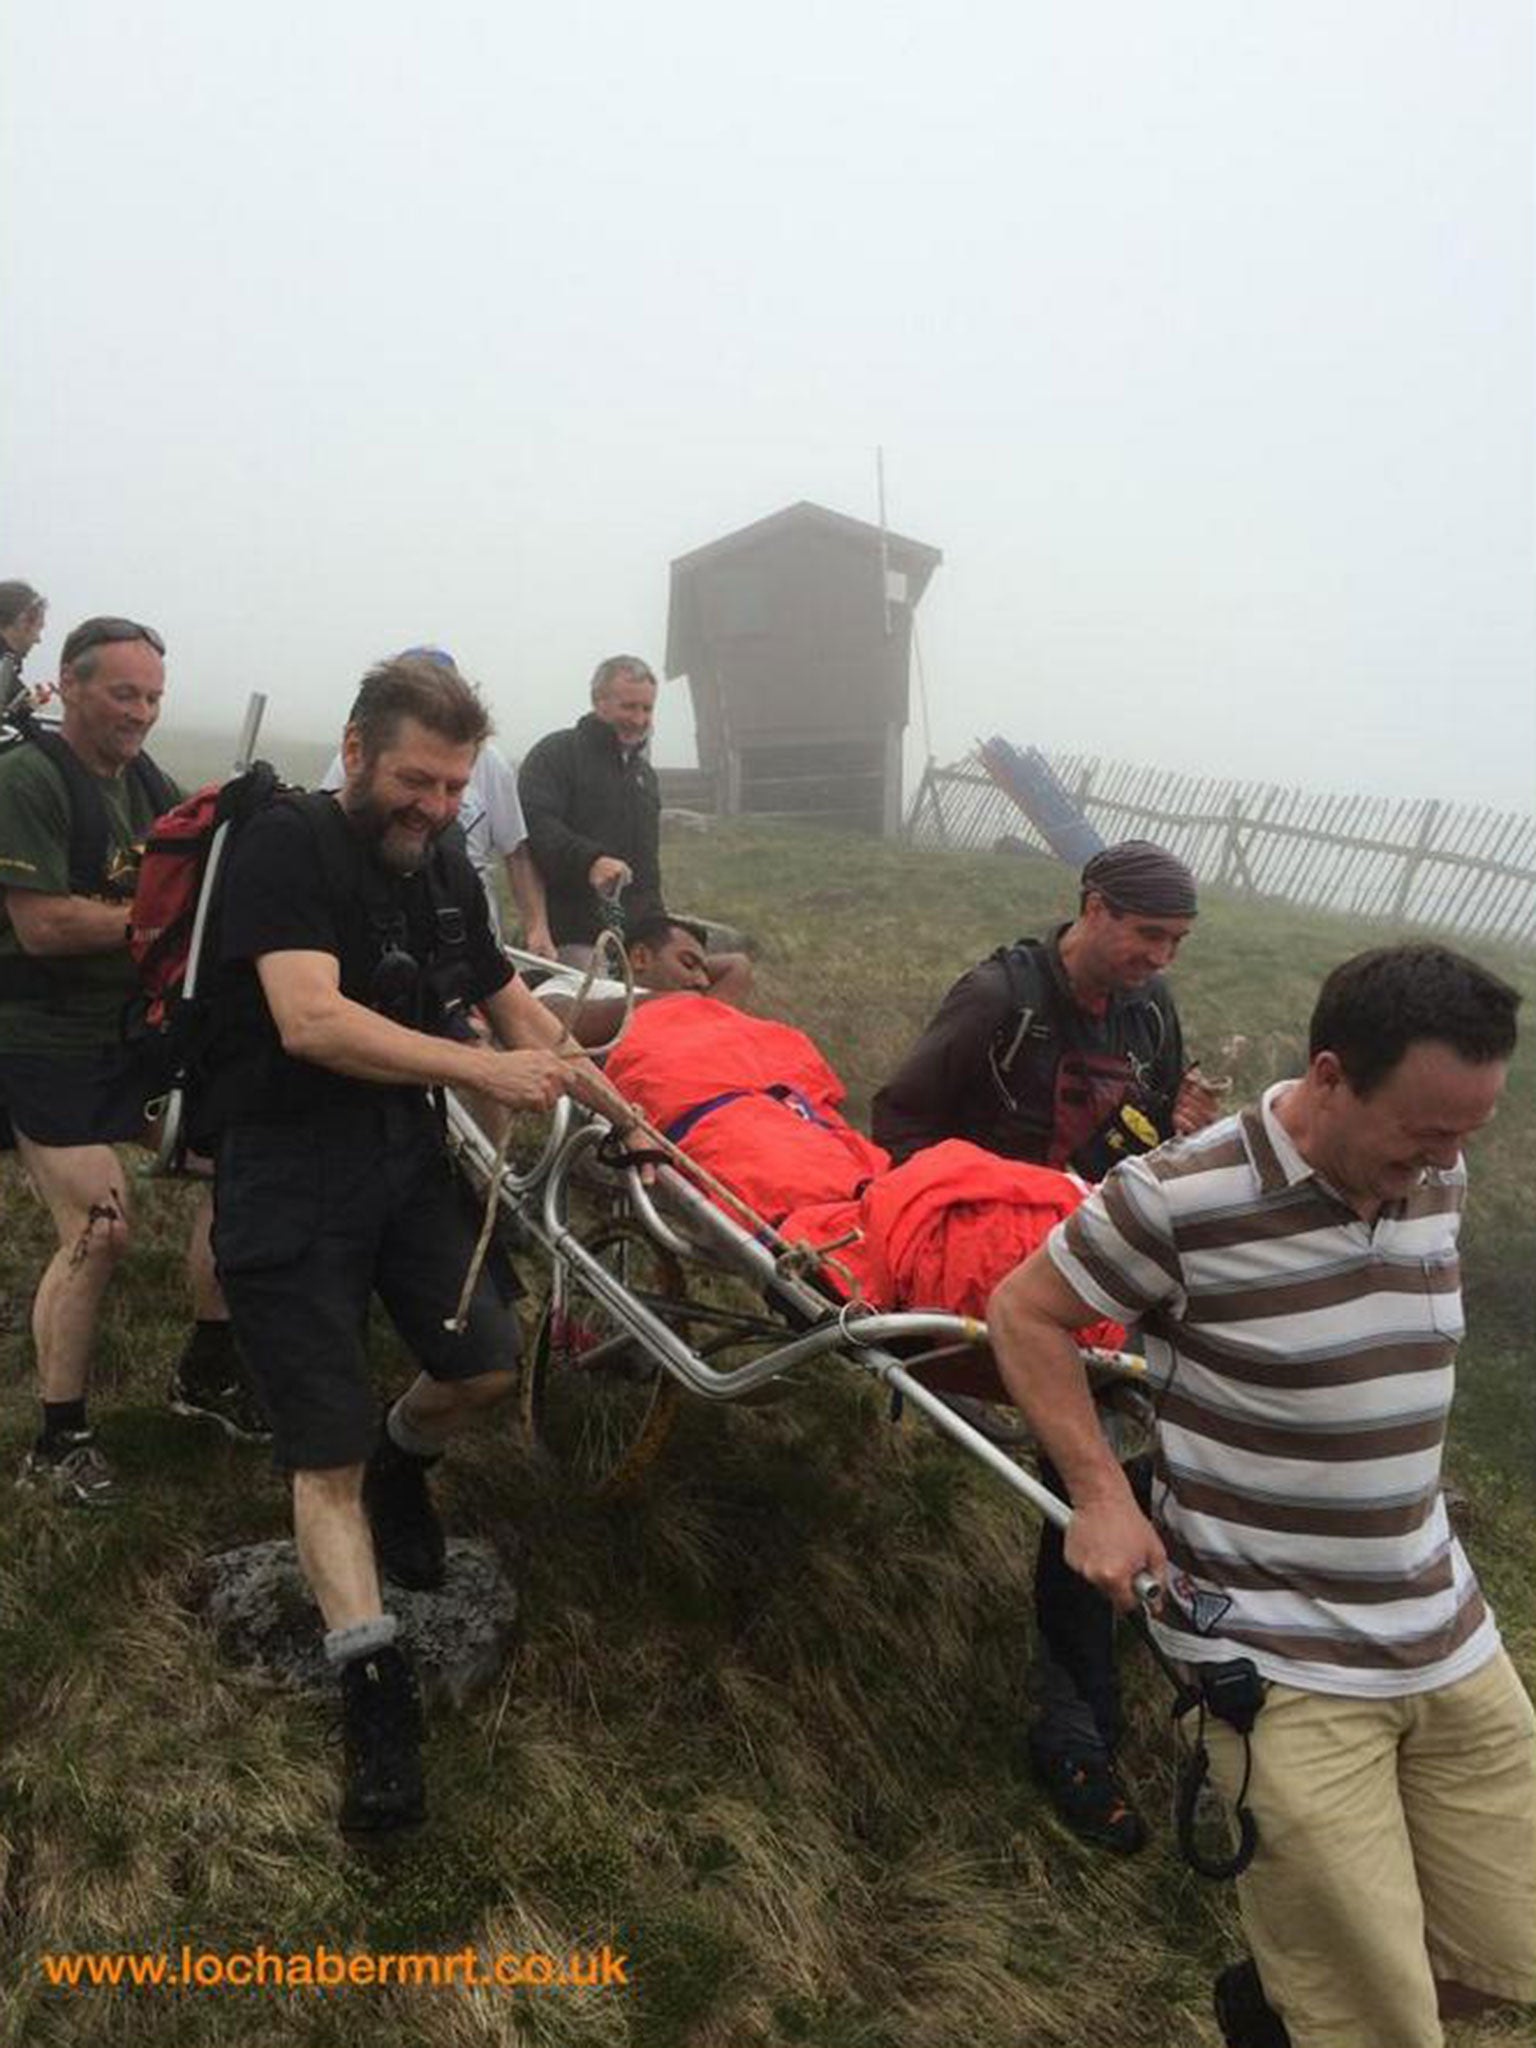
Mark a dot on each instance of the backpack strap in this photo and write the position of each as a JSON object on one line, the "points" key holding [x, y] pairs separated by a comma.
{"points": [[159, 790], [351, 876], [88, 825], [1037, 1008], [340, 857], [1155, 1009], [90, 828], [1030, 1002]]}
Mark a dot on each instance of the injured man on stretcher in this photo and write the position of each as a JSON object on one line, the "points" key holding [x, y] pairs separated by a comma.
{"points": [[754, 1103]]}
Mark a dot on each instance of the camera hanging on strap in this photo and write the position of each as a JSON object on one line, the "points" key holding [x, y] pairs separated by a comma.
{"points": [[1232, 1692]]}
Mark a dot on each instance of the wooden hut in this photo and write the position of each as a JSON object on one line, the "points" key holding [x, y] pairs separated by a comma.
{"points": [[795, 634]]}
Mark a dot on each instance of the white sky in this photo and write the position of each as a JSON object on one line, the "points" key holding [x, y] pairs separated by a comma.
{"points": [[1198, 335]]}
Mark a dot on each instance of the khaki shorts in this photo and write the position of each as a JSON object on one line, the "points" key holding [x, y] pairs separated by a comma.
{"points": [[1397, 1845]]}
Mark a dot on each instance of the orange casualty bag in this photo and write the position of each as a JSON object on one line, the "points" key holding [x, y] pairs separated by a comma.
{"points": [[751, 1100]]}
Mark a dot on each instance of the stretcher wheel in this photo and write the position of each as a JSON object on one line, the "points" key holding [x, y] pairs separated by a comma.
{"points": [[592, 1396]]}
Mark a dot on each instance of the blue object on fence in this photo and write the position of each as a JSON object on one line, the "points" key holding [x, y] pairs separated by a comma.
{"points": [[1043, 797]]}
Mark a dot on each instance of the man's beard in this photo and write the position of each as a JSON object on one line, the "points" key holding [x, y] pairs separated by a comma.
{"points": [[402, 852]]}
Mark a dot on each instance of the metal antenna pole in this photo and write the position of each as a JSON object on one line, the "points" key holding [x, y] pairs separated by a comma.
{"points": [[885, 553], [250, 726]]}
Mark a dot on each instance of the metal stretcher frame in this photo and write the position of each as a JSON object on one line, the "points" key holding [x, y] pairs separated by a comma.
{"points": [[684, 1224], [804, 1324]]}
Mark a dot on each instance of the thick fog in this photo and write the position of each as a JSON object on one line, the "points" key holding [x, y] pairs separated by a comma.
{"points": [[1198, 336]]}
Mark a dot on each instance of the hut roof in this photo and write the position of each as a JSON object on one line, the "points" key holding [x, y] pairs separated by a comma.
{"points": [[915, 559]]}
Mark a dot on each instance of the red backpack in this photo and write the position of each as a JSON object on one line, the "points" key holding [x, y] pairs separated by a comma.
{"points": [[173, 903], [169, 893], [165, 896]]}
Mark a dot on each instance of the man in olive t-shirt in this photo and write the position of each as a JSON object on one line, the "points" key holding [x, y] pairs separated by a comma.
{"points": [[71, 1085], [83, 1011]]}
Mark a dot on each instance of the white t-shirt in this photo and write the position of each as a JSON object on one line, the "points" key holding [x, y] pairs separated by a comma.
{"points": [[490, 814]]}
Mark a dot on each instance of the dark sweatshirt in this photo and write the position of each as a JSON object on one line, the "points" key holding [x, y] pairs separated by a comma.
{"points": [[582, 796]]}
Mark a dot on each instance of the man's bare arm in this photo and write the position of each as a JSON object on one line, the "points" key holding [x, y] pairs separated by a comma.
{"points": [[521, 1019], [317, 1022], [54, 927], [730, 977], [1030, 1319], [598, 1018]]}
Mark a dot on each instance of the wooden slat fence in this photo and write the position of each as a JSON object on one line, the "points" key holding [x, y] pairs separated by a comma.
{"points": [[1458, 866]]}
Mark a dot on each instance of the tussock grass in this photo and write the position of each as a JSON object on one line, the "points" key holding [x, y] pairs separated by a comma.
{"points": [[761, 1729]]}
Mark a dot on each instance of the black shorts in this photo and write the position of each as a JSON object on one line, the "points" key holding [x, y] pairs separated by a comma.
{"points": [[97, 1100], [309, 1221]]}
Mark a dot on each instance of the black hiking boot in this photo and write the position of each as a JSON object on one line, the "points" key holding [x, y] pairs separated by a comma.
{"points": [[408, 1538], [1245, 2016], [381, 1734], [1088, 1796], [209, 1381]]}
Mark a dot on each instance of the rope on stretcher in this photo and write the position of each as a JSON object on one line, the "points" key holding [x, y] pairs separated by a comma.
{"points": [[791, 1259], [608, 942]]}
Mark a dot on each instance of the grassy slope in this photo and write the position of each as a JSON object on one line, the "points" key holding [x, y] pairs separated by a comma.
{"points": [[762, 1727]]}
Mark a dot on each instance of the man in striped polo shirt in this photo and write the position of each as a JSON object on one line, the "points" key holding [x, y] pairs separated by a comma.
{"points": [[1295, 1271]]}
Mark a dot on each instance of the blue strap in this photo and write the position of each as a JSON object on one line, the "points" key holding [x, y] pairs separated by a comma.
{"points": [[680, 1126], [792, 1099]]}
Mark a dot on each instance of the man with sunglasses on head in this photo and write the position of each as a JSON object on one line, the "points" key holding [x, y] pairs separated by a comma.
{"points": [[354, 938], [75, 806]]}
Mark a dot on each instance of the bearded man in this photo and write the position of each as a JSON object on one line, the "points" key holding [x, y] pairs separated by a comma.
{"points": [[354, 937]]}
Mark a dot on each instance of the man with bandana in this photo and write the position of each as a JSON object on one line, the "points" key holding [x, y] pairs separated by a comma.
{"points": [[1067, 1051]]}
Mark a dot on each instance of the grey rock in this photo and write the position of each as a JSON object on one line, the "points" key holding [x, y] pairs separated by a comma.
{"points": [[265, 1618]]}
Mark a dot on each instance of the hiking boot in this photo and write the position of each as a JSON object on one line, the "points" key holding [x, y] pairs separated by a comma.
{"points": [[69, 1468], [408, 1538], [381, 1737], [1245, 2016], [1089, 1797], [218, 1390]]}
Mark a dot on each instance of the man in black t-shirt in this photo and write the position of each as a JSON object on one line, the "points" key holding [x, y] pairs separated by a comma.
{"points": [[353, 940]]}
